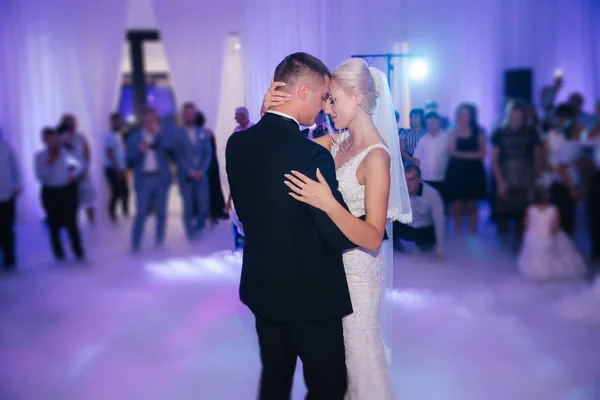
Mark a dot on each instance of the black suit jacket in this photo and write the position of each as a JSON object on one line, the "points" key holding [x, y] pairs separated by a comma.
{"points": [[292, 266]]}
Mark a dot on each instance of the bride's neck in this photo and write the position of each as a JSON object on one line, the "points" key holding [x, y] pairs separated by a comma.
{"points": [[360, 128]]}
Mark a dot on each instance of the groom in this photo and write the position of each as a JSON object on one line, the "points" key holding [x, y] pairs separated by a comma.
{"points": [[293, 278]]}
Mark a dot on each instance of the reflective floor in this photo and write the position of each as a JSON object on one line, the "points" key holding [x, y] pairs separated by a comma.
{"points": [[167, 324]]}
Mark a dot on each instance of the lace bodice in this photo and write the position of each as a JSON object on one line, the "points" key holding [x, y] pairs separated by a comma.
{"points": [[349, 186]]}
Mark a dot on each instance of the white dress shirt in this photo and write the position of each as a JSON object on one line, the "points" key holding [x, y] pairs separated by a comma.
{"points": [[432, 153], [192, 135], [150, 160], [284, 115], [428, 210]]}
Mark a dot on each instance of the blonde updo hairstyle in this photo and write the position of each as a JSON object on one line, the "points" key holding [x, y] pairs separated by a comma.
{"points": [[355, 79]]}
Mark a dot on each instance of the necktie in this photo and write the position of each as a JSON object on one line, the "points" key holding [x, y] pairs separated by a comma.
{"points": [[305, 132]]}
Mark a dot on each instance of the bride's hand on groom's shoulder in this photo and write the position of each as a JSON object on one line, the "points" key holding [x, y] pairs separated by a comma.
{"points": [[315, 193], [274, 97]]}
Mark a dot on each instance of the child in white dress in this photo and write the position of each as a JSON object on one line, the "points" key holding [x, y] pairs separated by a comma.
{"points": [[547, 252]]}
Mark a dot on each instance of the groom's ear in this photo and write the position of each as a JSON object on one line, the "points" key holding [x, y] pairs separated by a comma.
{"points": [[303, 90]]}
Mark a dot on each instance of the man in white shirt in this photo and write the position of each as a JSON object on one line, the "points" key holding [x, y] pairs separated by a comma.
{"points": [[432, 153], [427, 228], [431, 106]]}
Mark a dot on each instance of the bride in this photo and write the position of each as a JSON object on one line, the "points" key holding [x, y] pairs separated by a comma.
{"points": [[371, 180]]}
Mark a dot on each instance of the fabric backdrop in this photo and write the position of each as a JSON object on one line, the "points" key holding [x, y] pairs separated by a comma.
{"points": [[61, 58]]}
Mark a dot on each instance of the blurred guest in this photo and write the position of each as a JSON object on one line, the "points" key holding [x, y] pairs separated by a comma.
{"points": [[242, 117], [592, 140], [465, 175], [58, 170], [78, 144], [547, 99], [320, 129], [427, 228], [547, 253], [431, 153], [410, 137], [115, 167], [581, 117], [148, 155], [532, 119], [193, 154], [432, 106], [516, 163], [10, 188], [554, 140], [567, 184], [217, 200]]}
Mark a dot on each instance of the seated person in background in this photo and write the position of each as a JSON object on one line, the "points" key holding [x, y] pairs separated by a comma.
{"points": [[427, 228]]}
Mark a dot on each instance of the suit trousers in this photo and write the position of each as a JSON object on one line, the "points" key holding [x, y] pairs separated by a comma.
{"points": [[118, 192], [150, 189], [61, 205], [320, 346], [196, 205], [7, 233]]}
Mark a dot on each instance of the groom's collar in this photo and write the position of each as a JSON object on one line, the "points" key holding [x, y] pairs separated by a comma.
{"points": [[284, 115], [283, 119]]}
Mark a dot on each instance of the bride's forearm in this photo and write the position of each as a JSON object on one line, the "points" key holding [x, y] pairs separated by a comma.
{"points": [[359, 232]]}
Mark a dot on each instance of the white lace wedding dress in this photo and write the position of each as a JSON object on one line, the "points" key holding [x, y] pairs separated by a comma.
{"points": [[366, 360]]}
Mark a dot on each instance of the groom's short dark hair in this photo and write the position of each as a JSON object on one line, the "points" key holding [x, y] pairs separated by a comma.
{"points": [[300, 65]]}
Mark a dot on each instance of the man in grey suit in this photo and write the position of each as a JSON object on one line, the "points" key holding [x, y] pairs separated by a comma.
{"points": [[148, 156], [193, 153]]}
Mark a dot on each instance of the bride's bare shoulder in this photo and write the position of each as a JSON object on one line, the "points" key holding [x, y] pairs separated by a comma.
{"points": [[327, 140]]}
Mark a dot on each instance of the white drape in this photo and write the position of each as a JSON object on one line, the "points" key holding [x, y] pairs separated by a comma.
{"points": [[58, 56], [272, 30], [195, 38], [232, 95], [64, 57]]}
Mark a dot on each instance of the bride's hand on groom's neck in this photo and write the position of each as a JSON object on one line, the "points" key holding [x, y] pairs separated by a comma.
{"points": [[274, 97]]}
